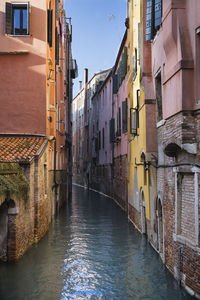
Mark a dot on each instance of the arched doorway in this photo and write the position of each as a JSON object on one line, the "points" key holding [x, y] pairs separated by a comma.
{"points": [[143, 213]]}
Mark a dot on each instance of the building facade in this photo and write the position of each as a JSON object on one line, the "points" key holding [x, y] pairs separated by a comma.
{"points": [[142, 146], [35, 55], [172, 31], [83, 127]]}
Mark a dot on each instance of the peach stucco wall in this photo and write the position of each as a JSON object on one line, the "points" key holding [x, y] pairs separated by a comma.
{"points": [[23, 76]]}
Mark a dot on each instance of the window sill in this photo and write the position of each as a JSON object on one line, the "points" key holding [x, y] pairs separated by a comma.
{"points": [[17, 52], [181, 239], [19, 35]]}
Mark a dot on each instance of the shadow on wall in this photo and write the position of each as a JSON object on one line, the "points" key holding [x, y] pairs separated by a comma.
{"points": [[23, 93]]}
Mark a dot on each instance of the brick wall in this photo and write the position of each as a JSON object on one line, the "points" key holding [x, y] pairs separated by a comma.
{"points": [[182, 128]]}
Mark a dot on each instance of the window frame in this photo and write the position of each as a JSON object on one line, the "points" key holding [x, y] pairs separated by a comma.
{"points": [[9, 13]]}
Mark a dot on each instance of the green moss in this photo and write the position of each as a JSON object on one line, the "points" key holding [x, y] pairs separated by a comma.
{"points": [[12, 181]]}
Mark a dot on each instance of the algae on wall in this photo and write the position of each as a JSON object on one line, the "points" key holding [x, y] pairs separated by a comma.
{"points": [[12, 181]]}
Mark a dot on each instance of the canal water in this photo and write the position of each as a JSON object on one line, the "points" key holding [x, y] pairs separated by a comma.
{"points": [[90, 252]]}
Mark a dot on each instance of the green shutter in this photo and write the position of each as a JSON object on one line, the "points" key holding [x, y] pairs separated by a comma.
{"points": [[115, 83], [158, 13], [125, 60], [57, 47], [124, 116], [119, 113], [8, 18], [112, 130], [149, 20]]}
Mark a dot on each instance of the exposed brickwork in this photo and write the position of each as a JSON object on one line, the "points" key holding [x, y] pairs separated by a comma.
{"points": [[181, 129], [120, 181], [29, 218], [135, 216]]}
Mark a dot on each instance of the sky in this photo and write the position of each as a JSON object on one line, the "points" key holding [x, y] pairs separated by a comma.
{"points": [[97, 31]]}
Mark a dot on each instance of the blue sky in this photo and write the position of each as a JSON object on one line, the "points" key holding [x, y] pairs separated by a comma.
{"points": [[98, 28]]}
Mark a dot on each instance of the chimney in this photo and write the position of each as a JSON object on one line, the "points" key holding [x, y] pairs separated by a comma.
{"points": [[86, 76], [80, 85]]}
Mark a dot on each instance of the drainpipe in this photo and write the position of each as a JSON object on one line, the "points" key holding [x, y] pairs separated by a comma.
{"points": [[180, 251]]}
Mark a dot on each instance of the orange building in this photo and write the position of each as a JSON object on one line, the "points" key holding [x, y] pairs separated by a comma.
{"points": [[35, 94]]}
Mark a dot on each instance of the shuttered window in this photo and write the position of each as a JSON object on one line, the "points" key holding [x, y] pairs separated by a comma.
{"points": [[99, 140], [153, 18], [134, 63], [17, 18], [103, 138], [124, 116], [158, 13], [112, 130], [118, 133], [49, 26], [134, 121], [57, 47], [115, 83], [8, 18], [149, 20]]}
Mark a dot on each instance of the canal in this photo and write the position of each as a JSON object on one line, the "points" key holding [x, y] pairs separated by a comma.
{"points": [[90, 252]]}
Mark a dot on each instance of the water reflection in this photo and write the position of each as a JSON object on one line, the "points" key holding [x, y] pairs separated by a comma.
{"points": [[90, 252]]}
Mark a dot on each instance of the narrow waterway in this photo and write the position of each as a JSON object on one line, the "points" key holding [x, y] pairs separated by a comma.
{"points": [[90, 252]]}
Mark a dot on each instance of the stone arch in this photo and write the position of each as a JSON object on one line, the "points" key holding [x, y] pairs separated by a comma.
{"points": [[143, 212]]}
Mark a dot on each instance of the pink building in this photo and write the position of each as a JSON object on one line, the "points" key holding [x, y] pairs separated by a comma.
{"points": [[174, 32], [119, 115]]}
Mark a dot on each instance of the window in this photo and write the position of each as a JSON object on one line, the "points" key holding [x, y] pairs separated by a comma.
{"points": [[153, 18], [112, 130], [118, 133], [134, 121], [187, 205], [57, 47], [49, 26], [99, 140], [134, 62], [134, 117], [158, 84], [103, 138], [124, 116], [17, 18]]}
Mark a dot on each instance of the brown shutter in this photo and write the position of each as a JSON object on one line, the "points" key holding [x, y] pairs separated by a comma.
{"points": [[49, 27], [8, 18]]}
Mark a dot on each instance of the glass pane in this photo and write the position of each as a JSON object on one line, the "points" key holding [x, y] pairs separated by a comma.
{"points": [[25, 20], [16, 18]]}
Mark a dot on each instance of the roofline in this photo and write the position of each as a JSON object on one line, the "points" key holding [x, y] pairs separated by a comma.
{"points": [[120, 50], [94, 75], [22, 135], [103, 83]]}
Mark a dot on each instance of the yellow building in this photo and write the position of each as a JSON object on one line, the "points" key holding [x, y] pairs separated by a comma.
{"points": [[141, 128]]}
